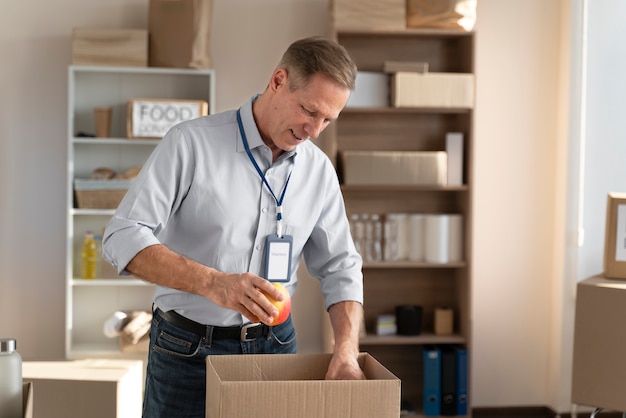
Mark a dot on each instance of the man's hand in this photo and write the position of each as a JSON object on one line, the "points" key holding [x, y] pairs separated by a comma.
{"points": [[344, 369], [244, 294]]}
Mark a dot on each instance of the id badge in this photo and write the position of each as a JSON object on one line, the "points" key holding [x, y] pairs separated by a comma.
{"points": [[278, 257]]}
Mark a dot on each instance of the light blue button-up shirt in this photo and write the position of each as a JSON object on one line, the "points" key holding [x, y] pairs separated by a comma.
{"points": [[200, 195]]}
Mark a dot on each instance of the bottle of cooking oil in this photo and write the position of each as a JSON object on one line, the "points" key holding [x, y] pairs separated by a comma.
{"points": [[89, 257]]}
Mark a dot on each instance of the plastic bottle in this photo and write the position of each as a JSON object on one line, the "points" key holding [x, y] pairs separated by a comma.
{"points": [[10, 380], [356, 229], [89, 257], [376, 251]]}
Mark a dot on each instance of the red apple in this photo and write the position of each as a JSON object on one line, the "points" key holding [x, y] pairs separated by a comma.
{"points": [[283, 306]]}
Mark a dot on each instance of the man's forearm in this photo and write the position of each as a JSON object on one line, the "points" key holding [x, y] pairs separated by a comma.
{"points": [[345, 318], [159, 265]]}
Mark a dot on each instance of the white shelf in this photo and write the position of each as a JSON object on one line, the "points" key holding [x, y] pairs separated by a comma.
{"points": [[91, 302], [115, 141], [111, 282]]}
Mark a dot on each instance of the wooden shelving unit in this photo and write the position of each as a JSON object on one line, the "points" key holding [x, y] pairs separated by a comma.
{"points": [[388, 284]]}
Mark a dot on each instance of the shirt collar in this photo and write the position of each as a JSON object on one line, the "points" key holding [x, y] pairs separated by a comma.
{"points": [[252, 132]]}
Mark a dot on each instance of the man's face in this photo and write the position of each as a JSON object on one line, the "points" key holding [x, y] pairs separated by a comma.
{"points": [[304, 113]]}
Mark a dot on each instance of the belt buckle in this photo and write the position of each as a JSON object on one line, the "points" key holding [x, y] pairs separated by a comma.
{"points": [[252, 328]]}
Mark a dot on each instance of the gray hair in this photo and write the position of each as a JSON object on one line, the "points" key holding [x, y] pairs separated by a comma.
{"points": [[317, 55]]}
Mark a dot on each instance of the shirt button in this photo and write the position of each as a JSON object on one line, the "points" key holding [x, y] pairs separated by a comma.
{"points": [[258, 248], [264, 210]]}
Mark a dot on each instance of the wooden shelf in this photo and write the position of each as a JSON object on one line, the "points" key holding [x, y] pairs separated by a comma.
{"points": [[421, 339], [423, 129]]}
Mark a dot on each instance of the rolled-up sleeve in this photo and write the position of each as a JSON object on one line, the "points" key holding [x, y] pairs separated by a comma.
{"points": [[330, 254], [149, 202]]}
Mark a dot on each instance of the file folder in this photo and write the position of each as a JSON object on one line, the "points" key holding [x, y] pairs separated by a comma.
{"points": [[432, 381], [461, 380], [448, 381]]}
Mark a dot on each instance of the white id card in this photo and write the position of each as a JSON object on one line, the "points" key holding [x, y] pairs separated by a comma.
{"points": [[278, 258]]}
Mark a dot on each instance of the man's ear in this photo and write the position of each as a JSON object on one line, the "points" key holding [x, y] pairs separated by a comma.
{"points": [[278, 79]]}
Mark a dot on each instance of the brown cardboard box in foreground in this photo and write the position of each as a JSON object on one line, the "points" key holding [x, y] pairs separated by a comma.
{"points": [[95, 388], [293, 385], [599, 344]]}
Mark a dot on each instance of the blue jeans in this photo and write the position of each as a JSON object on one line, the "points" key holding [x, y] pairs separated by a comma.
{"points": [[176, 372]]}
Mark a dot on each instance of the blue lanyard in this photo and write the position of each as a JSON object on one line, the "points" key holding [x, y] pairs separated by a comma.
{"points": [[279, 202]]}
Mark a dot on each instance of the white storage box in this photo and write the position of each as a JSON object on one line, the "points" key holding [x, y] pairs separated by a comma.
{"points": [[432, 90], [371, 90], [86, 388], [395, 167]]}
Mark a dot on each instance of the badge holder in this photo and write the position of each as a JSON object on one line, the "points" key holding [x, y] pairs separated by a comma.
{"points": [[278, 257]]}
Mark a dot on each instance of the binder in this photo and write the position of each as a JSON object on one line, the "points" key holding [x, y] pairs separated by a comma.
{"points": [[448, 381], [432, 381], [461, 380]]}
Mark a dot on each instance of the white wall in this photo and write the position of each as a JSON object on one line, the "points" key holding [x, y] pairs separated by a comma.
{"points": [[516, 133], [519, 172]]}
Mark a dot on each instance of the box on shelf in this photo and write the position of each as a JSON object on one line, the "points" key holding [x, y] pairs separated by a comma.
{"points": [[99, 194], [95, 388], [112, 47], [275, 383], [411, 89], [368, 14], [386, 325], [394, 167], [371, 90]]}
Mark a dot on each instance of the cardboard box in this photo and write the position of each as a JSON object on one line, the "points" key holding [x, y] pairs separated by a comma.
{"points": [[293, 385], [395, 167], [27, 397], [115, 47], [86, 388], [599, 369], [615, 237], [368, 14], [410, 89]]}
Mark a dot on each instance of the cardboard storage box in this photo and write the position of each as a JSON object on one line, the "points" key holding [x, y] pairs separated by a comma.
{"points": [[368, 14], [599, 369], [293, 385], [395, 167], [86, 388], [115, 47], [410, 89]]}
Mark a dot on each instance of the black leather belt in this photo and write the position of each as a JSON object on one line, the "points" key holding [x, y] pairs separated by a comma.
{"points": [[248, 332]]}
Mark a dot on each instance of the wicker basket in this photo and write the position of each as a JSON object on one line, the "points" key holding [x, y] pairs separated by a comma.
{"points": [[100, 194]]}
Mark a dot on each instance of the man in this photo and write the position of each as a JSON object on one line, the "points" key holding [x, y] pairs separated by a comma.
{"points": [[197, 220]]}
